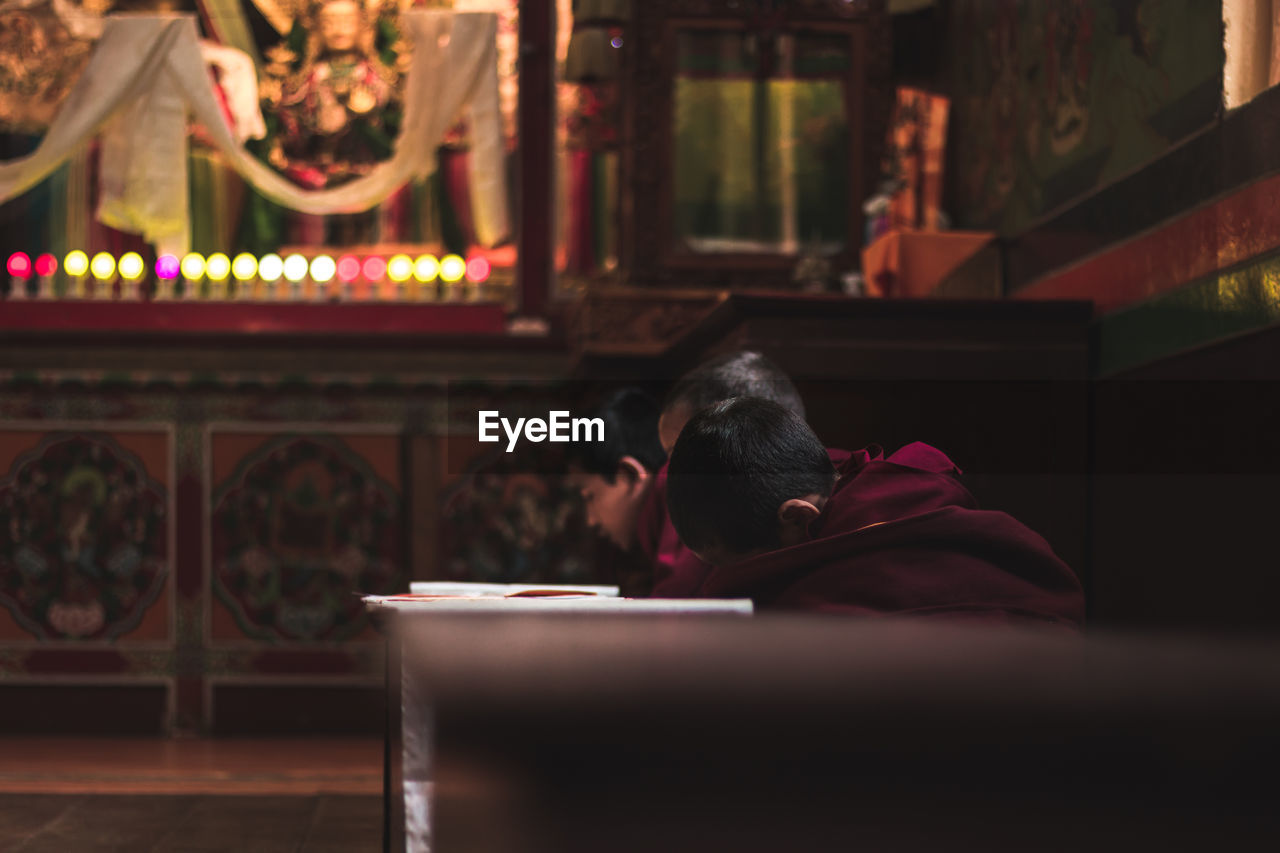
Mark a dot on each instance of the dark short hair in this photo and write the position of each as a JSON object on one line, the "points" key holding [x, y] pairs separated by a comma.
{"points": [[734, 464], [737, 374], [630, 429]]}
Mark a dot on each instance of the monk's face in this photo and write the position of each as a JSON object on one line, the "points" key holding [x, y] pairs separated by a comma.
{"points": [[613, 508], [670, 423]]}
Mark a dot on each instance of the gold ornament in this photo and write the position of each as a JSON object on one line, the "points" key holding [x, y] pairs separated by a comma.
{"points": [[361, 101], [334, 82]]}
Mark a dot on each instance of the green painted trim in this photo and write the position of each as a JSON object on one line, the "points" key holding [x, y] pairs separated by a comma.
{"points": [[1242, 299]]}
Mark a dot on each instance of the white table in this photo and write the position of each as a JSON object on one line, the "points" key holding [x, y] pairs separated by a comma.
{"points": [[408, 752]]}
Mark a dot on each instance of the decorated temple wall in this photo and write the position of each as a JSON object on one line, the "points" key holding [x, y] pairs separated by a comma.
{"points": [[184, 554], [1176, 256], [1158, 206], [1054, 99]]}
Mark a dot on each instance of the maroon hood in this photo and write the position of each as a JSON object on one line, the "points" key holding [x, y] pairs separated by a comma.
{"points": [[903, 536]]}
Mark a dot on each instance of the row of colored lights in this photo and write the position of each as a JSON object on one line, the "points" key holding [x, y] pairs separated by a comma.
{"points": [[246, 267]]}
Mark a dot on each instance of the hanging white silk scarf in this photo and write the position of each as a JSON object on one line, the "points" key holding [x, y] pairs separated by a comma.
{"points": [[146, 74]]}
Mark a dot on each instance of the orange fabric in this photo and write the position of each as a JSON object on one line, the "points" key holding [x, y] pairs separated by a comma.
{"points": [[918, 142], [904, 263]]}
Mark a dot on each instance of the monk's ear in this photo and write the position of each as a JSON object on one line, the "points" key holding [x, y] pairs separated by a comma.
{"points": [[631, 472], [794, 518]]}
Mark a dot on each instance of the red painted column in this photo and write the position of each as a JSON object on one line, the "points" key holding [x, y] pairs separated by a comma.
{"points": [[534, 266]]}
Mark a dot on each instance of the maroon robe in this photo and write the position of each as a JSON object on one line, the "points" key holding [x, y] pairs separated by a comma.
{"points": [[902, 536], [677, 571]]}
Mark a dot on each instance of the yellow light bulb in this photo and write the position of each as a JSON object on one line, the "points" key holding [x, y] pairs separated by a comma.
{"points": [[76, 263], [193, 266], [217, 267], [426, 268], [452, 268], [244, 267], [400, 268], [131, 266], [103, 266]]}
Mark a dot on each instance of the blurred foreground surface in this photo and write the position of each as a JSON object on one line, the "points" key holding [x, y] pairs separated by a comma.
{"points": [[586, 734]]}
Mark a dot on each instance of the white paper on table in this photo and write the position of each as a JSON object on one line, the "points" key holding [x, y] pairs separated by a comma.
{"points": [[560, 604], [466, 588]]}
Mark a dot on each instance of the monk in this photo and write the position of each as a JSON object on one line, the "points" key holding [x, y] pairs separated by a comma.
{"points": [[677, 571], [616, 477], [753, 492]]}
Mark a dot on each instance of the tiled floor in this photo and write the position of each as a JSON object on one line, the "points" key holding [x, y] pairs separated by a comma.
{"points": [[312, 795], [84, 765], [75, 823]]}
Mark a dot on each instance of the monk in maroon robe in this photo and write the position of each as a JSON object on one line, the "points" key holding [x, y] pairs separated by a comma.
{"points": [[753, 492], [677, 571], [616, 476]]}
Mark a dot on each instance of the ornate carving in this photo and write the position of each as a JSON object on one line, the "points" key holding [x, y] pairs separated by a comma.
{"points": [[503, 524], [793, 9], [640, 322], [43, 48], [302, 524], [83, 539]]}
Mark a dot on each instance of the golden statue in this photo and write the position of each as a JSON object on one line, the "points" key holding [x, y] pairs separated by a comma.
{"points": [[333, 89], [43, 48]]}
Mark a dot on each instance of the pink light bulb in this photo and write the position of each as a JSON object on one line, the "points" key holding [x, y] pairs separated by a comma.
{"points": [[19, 265], [167, 266], [374, 269], [478, 269], [348, 268]]}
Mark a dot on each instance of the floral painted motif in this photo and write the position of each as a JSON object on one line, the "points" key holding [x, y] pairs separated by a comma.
{"points": [[504, 524], [83, 539], [302, 528], [1051, 100]]}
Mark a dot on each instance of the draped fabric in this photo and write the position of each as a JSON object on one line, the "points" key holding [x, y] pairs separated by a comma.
{"points": [[239, 83], [146, 74], [229, 25], [1252, 47]]}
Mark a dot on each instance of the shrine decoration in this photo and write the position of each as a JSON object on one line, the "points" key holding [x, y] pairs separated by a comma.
{"points": [[146, 73], [44, 46], [332, 92]]}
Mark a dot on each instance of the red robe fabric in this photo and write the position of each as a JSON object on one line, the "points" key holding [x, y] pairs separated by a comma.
{"points": [[677, 571], [902, 536]]}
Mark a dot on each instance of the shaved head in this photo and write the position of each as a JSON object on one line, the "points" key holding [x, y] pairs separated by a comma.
{"points": [[739, 374]]}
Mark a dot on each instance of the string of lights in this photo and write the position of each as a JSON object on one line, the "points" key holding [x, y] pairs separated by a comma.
{"points": [[246, 269]]}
